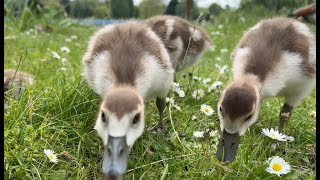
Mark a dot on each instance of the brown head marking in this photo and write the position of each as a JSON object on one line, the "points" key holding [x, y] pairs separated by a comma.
{"points": [[238, 101]]}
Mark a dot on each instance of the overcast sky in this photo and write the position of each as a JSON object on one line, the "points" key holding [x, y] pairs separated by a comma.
{"points": [[207, 3]]}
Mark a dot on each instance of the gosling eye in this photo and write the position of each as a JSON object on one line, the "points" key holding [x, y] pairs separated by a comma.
{"points": [[136, 118], [103, 117], [249, 117], [220, 109]]}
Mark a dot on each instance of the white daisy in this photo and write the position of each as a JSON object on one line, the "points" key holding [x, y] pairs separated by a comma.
{"points": [[175, 87], [68, 40], [214, 86], [177, 107], [74, 37], [196, 78], [63, 60], [198, 134], [289, 138], [51, 155], [65, 49], [278, 166], [197, 94], [274, 134], [55, 55], [222, 69], [206, 81], [313, 114], [170, 100], [181, 93], [213, 133], [206, 109]]}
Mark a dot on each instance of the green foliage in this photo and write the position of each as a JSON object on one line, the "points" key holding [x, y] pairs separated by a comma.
{"points": [[122, 8], [148, 8], [82, 8], [215, 9], [102, 11]]}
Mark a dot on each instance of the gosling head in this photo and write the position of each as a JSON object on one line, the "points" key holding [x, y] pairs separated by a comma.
{"points": [[238, 109], [119, 124]]}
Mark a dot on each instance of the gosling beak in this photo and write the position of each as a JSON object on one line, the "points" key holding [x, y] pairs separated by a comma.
{"points": [[115, 158], [228, 145]]}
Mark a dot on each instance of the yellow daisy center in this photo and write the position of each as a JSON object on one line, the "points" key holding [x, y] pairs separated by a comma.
{"points": [[206, 109], [276, 167], [273, 135], [50, 156]]}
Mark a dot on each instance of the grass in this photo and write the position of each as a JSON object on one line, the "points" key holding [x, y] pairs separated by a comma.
{"points": [[63, 108]]}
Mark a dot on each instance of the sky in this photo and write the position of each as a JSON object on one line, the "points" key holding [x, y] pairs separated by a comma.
{"points": [[207, 3]]}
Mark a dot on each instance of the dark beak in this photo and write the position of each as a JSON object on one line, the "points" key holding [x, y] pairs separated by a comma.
{"points": [[115, 157], [228, 145]]}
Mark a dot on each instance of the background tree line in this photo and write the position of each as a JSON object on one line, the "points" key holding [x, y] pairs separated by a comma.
{"points": [[118, 9]]}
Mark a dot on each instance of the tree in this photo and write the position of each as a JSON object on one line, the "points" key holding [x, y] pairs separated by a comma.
{"points": [[120, 8], [148, 8], [215, 9]]}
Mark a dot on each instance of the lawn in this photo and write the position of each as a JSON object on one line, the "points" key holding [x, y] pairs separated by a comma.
{"points": [[61, 114]]}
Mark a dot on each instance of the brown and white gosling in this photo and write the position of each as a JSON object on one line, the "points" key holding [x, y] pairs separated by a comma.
{"points": [[15, 83], [276, 57], [175, 33], [126, 64]]}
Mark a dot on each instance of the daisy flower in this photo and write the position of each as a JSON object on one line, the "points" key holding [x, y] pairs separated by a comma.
{"points": [[177, 107], [181, 93], [312, 114], [175, 87], [63, 60], [214, 86], [65, 49], [68, 40], [213, 133], [55, 55], [274, 134], [197, 94], [170, 100], [198, 134], [206, 81], [278, 166], [196, 78], [222, 69], [289, 138], [51, 155], [206, 109]]}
